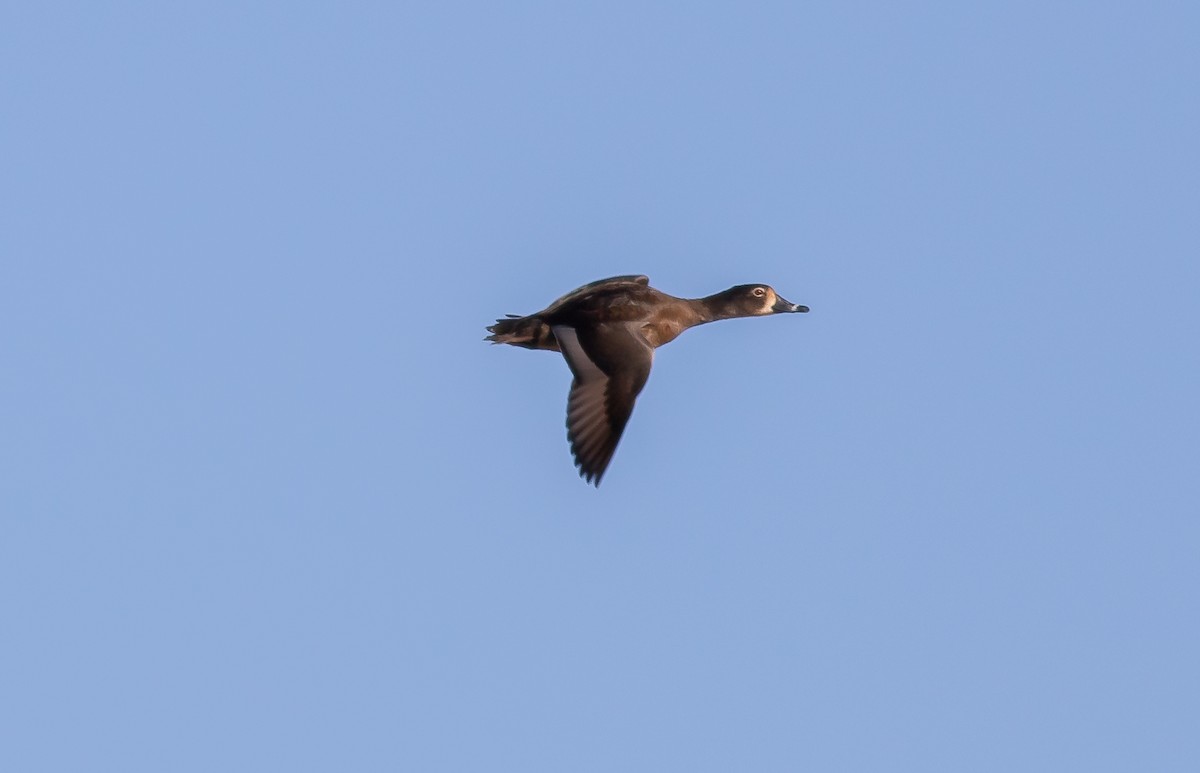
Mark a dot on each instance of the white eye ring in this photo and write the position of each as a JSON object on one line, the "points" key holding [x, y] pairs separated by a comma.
{"points": [[759, 292]]}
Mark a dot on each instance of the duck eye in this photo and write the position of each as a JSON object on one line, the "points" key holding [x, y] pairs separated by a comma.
{"points": [[759, 292]]}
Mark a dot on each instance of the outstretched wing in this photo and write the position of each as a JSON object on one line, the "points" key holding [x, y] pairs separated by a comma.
{"points": [[611, 364]]}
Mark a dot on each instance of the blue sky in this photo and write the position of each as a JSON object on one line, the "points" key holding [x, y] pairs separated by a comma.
{"points": [[269, 503]]}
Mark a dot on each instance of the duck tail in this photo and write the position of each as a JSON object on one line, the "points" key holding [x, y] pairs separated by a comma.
{"points": [[527, 332]]}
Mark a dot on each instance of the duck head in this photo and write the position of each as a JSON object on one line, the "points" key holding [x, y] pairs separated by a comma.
{"points": [[752, 301]]}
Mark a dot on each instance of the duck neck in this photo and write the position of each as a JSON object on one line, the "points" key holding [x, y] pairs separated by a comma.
{"points": [[711, 308]]}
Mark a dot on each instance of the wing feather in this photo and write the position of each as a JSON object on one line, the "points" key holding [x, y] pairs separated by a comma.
{"points": [[610, 365], [610, 282]]}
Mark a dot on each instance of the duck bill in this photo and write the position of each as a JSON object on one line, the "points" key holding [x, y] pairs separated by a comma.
{"points": [[783, 306]]}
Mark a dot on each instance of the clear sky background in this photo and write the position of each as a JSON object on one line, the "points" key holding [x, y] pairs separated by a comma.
{"points": [[270, 503]]}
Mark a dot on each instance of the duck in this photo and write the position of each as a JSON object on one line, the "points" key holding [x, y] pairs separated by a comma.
{"points": [[607, 332]]}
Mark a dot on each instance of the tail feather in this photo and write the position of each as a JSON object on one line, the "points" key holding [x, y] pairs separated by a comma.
{"points": [[526, 332]]}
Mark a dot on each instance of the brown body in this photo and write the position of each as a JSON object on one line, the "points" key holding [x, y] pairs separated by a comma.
{"points": [[607, 331]]}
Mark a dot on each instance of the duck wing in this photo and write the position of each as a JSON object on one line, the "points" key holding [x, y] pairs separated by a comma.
{"points": [[611, 363], [600, 284]]}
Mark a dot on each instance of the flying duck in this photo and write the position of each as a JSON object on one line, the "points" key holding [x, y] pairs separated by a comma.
{"points": [[607, 331]]}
